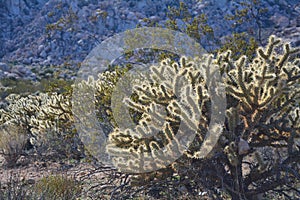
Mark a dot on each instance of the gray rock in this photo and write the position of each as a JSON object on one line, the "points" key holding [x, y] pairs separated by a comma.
{"points": [[280, 20], [11, 76], [131, 16], [4, 66], [2, 75], [21, 36], [43, 54], [40, 49], [27, 61], [222, 3]]}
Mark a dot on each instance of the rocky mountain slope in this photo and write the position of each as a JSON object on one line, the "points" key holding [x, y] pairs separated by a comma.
{"points": [[55, 32]]}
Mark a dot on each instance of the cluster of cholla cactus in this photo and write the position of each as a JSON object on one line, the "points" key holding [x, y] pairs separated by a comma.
{"points": [[38, 114], [175, 106], [46, 120], [181, 126]]}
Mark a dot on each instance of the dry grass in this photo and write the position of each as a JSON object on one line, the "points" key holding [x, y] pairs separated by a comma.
{"points": [[12, 142]]}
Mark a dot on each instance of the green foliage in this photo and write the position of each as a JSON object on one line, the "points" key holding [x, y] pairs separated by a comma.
{"points": [[14, 86], [251, 12], [195, 27], [57, 187], [26, 87], [65, 23], [59, 86], [240, 44]]}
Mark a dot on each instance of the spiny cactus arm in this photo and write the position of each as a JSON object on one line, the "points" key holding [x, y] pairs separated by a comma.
{"points": [[291, 72], [288, 51], [246, 89], [277, 132], [269, 84], [225, 62], [5, 116], [157, 93], [163, 72], [233, 118], [273, 42], [60, 102], [142, 152], [135, 106], [177, 109]]}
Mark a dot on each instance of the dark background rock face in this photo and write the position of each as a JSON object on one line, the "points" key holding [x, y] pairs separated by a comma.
{"points": [[46, 32]]}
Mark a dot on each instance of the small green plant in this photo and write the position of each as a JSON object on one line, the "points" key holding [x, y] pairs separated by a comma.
{"points": [[197, 27], [65, 23], [13, 86], [58, 187], [239, 44]]}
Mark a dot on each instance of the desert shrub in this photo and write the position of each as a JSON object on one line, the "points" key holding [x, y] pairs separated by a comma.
{"points": [[253, 14], [28, 87], [239, 41], [239, 44], [10, 86], [13, 138], [57, 187], [51, 187]]}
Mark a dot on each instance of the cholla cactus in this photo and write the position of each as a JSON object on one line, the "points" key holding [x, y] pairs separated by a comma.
{"points": [[263, 111], [37, 113], [267, 91], [46, 118], [171, 100]]}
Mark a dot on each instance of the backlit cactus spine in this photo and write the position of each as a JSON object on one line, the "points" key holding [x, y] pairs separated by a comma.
{"points": [[170, 101]]}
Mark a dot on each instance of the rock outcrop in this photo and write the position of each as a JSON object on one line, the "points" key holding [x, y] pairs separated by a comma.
{"points": [[53, 32]]}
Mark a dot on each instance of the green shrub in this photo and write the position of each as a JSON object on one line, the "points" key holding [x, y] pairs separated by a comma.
{"points": [[57, 187]]}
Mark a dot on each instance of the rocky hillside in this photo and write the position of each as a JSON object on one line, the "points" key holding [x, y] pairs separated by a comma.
{"points": [[54, 32]]}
